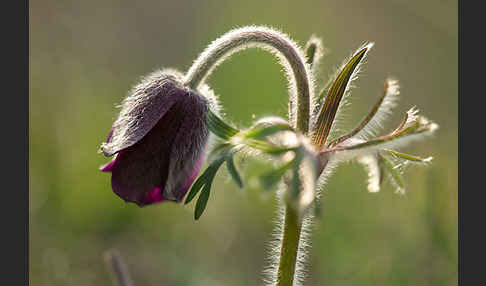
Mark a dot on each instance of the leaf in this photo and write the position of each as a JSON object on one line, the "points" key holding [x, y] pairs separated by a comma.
{"points": [[322, 96], [393, 171], [408, 157], [313, 50], [261, 132], [384, 103], [333, 98], [202, 201], [220, 150], [267, 147], [271, 178], [205, 179], [198, 184], [310, 52], [414, 128], [206, 183], [233, 172], [372, 166], [219, 127]]}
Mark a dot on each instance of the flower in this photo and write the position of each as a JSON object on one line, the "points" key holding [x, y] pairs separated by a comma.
{"points": [[159, 140]]}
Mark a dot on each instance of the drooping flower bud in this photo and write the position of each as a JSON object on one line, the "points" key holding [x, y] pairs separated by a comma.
{"points": [[159, 140]]}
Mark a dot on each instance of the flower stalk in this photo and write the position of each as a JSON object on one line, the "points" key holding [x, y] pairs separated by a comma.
{"points": [[290, 246], [291, 231], [298, 71], [291, 57]]}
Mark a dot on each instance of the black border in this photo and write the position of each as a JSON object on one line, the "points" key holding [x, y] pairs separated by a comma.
{"points": [[471, 121], [15, 142]]}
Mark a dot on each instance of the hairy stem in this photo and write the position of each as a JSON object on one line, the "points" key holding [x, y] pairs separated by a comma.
{"points": [[300, 102], [289, 248], [292, 59], [292, 225]]}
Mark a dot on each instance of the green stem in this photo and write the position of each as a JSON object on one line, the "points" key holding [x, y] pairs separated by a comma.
{"points": [[290, 247], [292, 227], [299, 75], [292, 59]]}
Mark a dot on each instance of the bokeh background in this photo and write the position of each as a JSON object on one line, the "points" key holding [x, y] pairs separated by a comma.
{"points": [[85, 56]]}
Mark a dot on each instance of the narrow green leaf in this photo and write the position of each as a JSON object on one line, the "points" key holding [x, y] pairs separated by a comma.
{"points": [[408, 156], [313, 50], [230, 165], [322, 96], [395, 174], [333, 98], [271, 178], [221, 150], [310, 52], [381, 168], [204, 196], [261, 132], [202, 201], [205, 179], [419, 125], [371, 164], [267, 147], [364, 122], [198, 184], [219, 127]]}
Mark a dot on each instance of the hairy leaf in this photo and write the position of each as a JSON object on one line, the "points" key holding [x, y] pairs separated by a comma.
{"points": [[395, 175], [230, 165], [334, 96], [202, 201], [384, 104], [204, 180], [219, 127], [271, 178], [408, 157], [261, 132]]}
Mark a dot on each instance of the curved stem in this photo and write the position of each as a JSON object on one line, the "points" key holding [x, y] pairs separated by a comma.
{"points": [[292, 228], [300, 102], [292, 58]]}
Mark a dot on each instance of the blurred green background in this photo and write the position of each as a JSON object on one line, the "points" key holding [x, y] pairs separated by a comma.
{"points": [[85, 56]]}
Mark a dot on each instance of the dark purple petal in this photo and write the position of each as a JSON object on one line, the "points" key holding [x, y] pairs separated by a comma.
{"points": [[108, 167], [142, 109], [189, 153], [162, 165], [155, 196]]}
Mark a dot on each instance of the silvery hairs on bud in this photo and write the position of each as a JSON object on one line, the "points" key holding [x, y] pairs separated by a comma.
{"points": [[146, 103]]}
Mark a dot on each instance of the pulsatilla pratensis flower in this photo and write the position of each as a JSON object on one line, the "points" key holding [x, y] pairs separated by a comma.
{"points": [[159, 140], [160, 136]]}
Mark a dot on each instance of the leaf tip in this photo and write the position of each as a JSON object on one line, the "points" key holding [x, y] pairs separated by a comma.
{"points": [[369, 45], [433, 126], [428, 159]]}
